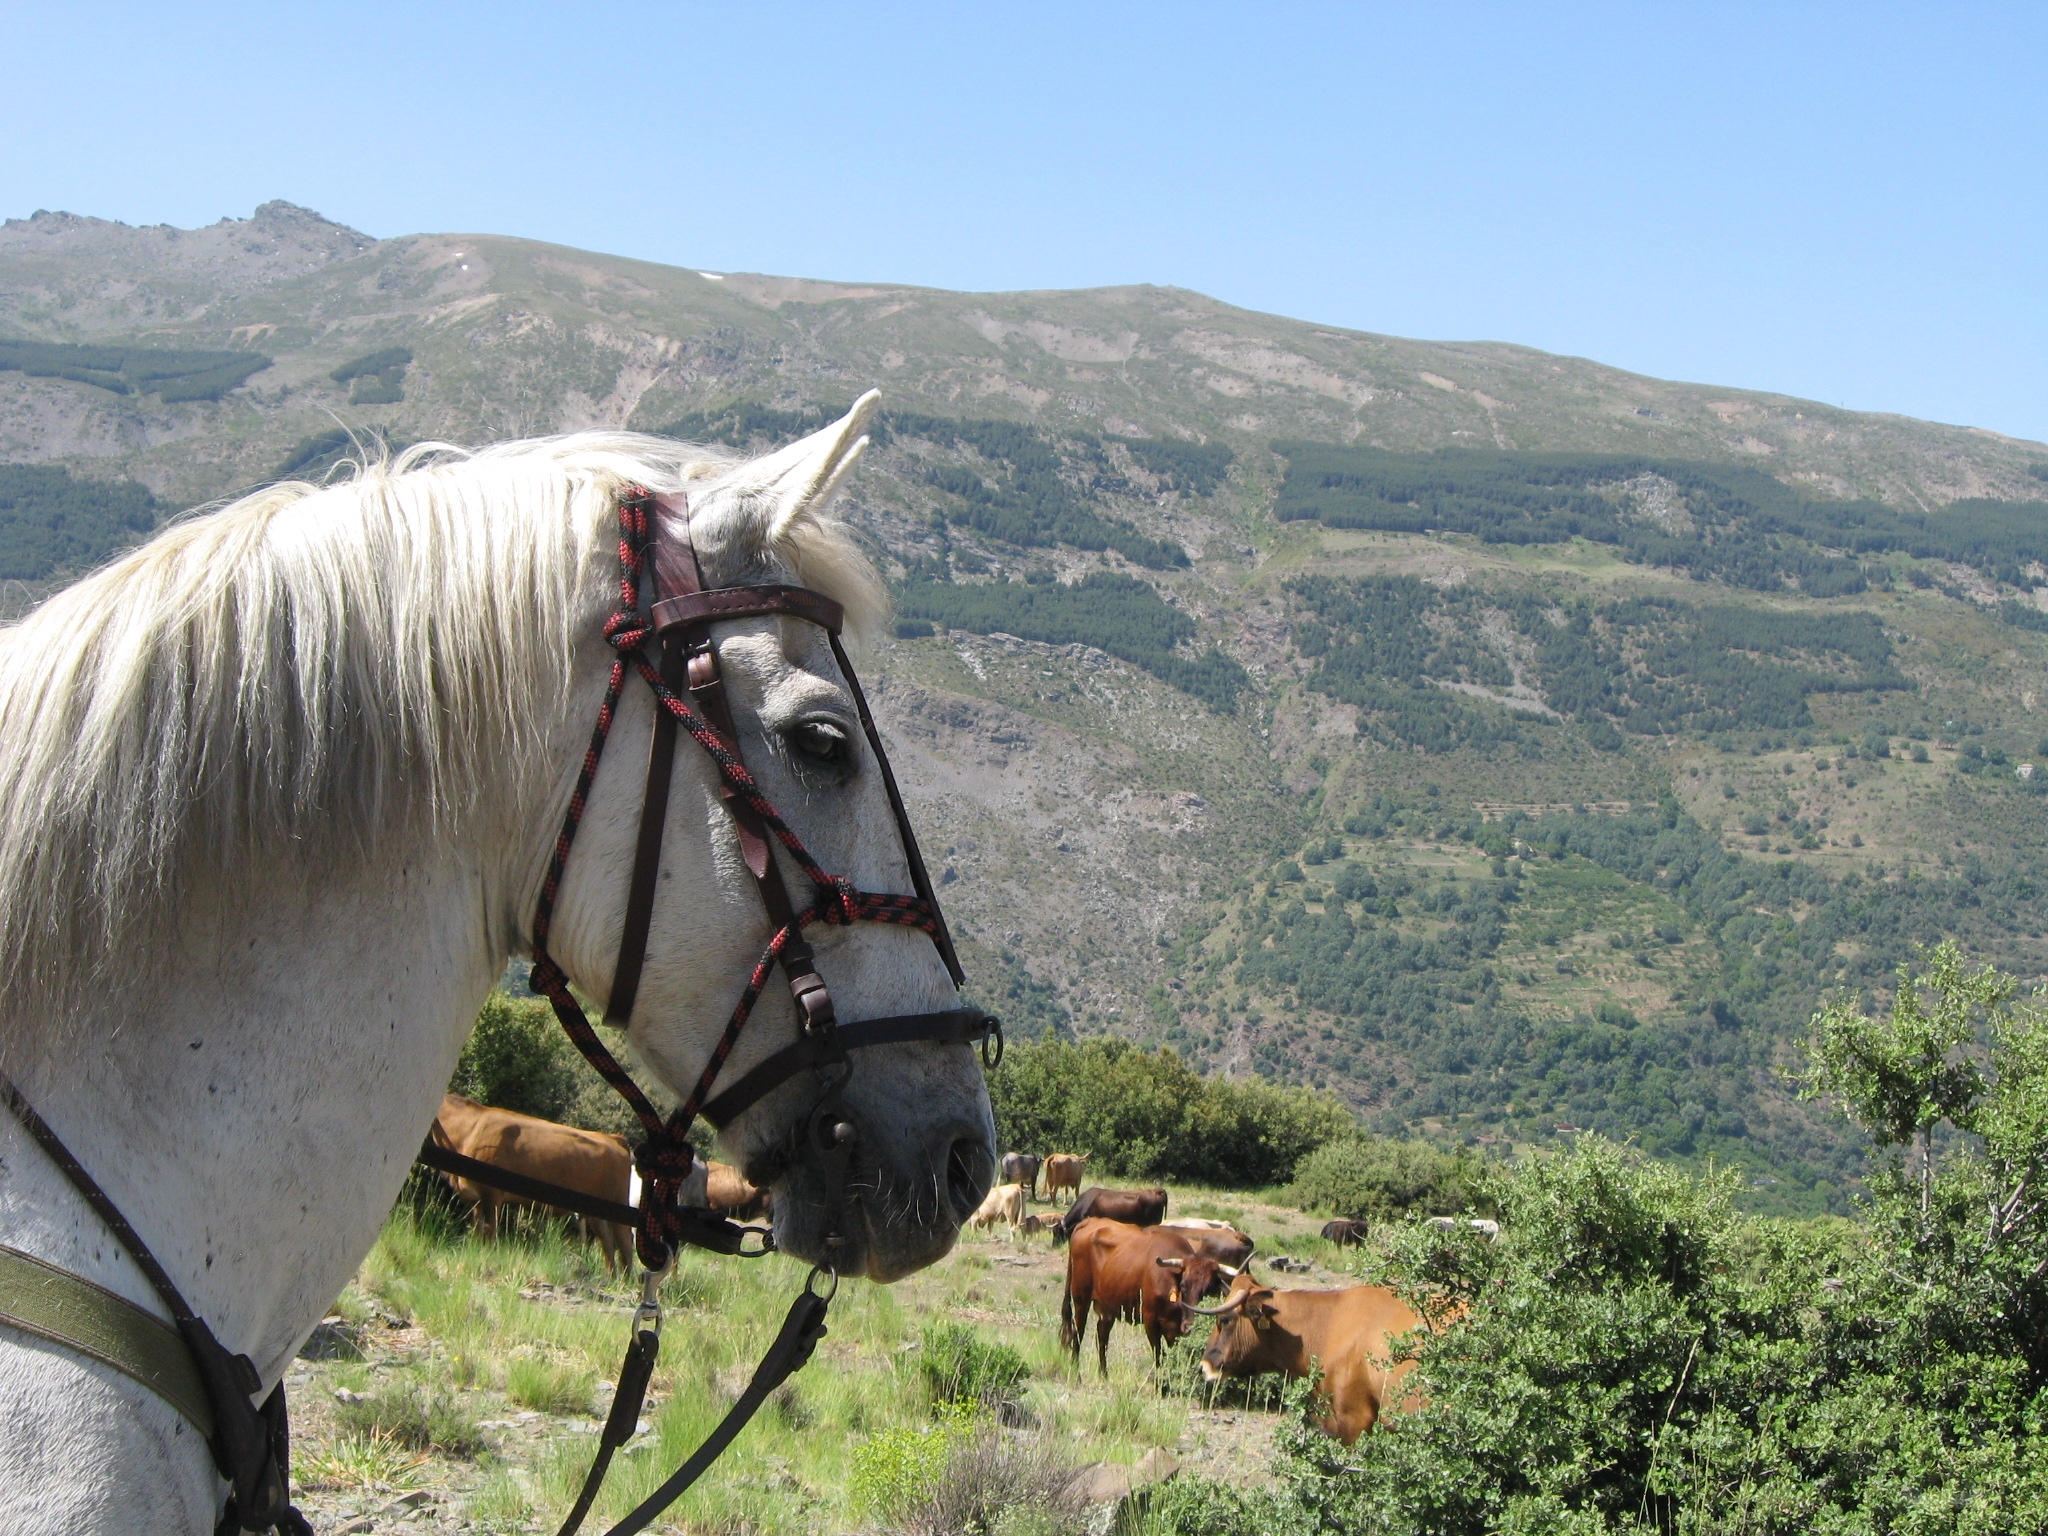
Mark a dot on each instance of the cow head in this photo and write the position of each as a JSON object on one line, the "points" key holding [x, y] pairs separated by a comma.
{"points": [[1195, 1276], [1243, 1326]]}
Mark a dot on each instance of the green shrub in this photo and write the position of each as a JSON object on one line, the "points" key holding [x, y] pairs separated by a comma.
{"points": [[1147, 1114], [518, 1058], [899, 1468], [549, 1386], [960, 1369], [1371, 1178], [414, 1417]]}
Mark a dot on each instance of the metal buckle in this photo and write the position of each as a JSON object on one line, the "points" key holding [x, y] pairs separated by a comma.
{"points": [[647, 1316]]}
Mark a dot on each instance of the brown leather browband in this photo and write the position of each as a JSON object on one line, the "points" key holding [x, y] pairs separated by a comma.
{"points": [[747, 602]]}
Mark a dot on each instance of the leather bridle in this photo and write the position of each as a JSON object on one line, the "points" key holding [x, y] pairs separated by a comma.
{"points": [[690, 695]]}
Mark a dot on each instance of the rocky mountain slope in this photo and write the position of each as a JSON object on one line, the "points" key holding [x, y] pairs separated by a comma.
{"points": [[1505, 741]]}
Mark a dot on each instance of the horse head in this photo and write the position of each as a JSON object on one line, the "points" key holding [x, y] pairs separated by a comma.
{"points": [[922, 1153]]}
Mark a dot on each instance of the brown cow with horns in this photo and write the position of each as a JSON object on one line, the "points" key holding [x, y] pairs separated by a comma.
{"points": [[1149, 1276], [1346, 1334]]}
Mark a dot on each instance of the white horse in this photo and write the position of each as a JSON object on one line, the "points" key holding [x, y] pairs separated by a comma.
{"points": [[277, 791]]}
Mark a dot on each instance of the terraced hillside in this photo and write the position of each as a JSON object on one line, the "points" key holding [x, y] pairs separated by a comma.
{"points": [[1506, 741]]}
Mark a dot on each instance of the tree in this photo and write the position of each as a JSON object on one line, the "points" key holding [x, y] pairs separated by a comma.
{"points": [[1901, 1076]]}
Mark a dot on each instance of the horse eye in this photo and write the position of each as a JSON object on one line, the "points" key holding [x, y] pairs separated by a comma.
{"points": [[820, 742]]}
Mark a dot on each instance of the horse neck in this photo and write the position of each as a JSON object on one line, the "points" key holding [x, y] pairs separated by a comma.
{"points": [[252, 1100]]}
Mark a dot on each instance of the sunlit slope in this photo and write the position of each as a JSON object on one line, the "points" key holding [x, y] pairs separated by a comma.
{"points": [[1505, 741]]}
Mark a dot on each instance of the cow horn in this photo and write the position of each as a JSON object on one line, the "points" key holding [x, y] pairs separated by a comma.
{"points": [[1223, 1311], [1230, 1270]]}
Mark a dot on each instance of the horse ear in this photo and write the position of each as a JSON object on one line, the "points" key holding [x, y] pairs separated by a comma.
{"points": [[800, 480]]}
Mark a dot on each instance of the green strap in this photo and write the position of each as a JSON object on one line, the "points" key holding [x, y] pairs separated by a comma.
{"points": [[55, 1304]]}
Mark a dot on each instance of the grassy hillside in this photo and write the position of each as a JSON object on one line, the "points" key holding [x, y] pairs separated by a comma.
{"points": [[1504, 741]]}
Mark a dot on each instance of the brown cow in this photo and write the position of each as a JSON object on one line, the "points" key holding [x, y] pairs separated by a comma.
{"points": [[1344, 1333], [1345, 1232], [1139, 1274], [1063, 1170], [1218, 1239], [728, 1192], [1139, 1207], [589, 1162]]}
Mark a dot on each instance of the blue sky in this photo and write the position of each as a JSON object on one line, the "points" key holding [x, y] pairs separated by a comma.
{"points": [[1848, 203]]}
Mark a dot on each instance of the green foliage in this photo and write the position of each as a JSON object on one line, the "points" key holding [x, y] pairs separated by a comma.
{"points": [[1902, 1075], [1654, 666], [517, 1057], [1025, 495], [1633, 1356], [1412, 967], [961, 1370], [1196, 468], [900, 1468], [1746, 527], [385, 360], [379, 377], [1373, 1178], [52, 520], [1114, 613], [172, 374], [1146, 1114]]}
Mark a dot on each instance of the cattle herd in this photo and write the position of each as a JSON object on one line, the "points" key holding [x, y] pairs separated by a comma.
{"points": [[1126, 1261]]}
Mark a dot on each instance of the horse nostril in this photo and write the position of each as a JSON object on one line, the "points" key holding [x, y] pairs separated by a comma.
{"points": [[970, 1169]]}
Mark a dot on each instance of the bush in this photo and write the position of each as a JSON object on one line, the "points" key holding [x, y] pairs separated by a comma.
{"points": [[1371, 1178], [1147, 1114], [899, 1468], [1633, 1355], [412, 1417], [960, 1369], [518, 1058]]}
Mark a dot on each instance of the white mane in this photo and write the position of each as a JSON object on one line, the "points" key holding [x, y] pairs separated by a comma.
{"points": [[325, 666]]}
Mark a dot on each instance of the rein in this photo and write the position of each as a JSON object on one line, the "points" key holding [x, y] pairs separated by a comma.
{"points": [[680, 618]]}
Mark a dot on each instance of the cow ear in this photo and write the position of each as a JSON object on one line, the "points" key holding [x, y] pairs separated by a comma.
{"points": [[1165, 1263]]}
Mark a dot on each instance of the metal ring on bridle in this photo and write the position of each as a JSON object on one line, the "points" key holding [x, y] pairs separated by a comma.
{"points": [[992, 1045], [811, 1281]]}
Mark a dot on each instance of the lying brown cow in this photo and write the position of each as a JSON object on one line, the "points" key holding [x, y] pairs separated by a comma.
{"points": [[1063, 1170], [1218, 1239], [1138, 1207], [1343, 1333], [589, 1162], [1137, 1274]]}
